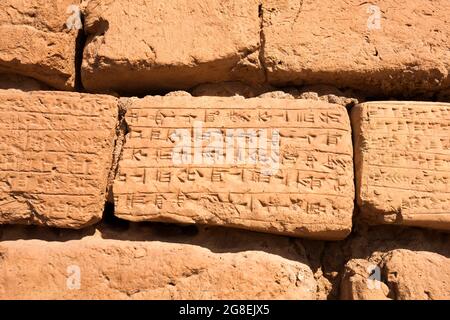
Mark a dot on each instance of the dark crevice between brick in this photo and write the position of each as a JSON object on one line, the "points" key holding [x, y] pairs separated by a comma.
{"points": [[169, 230], [262, 42], [122, 131], [111, 222], [79, 48]]}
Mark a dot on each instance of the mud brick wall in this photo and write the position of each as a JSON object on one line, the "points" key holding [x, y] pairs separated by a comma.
{"points": [[253, 149]]}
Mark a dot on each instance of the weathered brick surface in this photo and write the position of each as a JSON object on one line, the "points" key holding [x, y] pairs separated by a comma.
{"points": [[402, 154], [362, 281], [55, 155], [407, 275], [310, 194], [338, 42], [417, 275], [112, 269], [139, 46], [36, 41], [302, 63]]}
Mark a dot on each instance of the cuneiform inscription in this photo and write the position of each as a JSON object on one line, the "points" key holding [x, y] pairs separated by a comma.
{"points": [[244, 206], [55, 155], [237, 179], [230, 116], [310, 193], [403, 151]]}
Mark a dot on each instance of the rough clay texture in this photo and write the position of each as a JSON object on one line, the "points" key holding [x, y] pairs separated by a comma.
{"points": [[36, 41], [310, 192], [348, 264], [410, 276], [359, 282], [340, 43], [148, 269], [122, 260], [418, 275], [133, 46], [14, 81], [401, 160], [331, 94], [56, 153], [130, 44], [305, 63]]}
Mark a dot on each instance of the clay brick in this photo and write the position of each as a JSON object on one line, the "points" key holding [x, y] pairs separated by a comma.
{"points": [[55, 155], [114, 269], [310, 194], [361, 280], [402, 162], [137, 46], [36, 41], [338, 42], [407, 275], [417, 275]]}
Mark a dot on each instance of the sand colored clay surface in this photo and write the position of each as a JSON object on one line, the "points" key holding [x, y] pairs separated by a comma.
{"points": [[136, 45], [384, 47], [36, 41], [56, 153], [112, 269], [309, 194], [402, 162]]}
